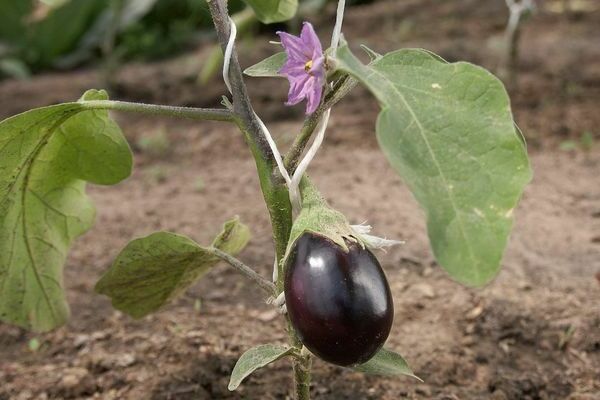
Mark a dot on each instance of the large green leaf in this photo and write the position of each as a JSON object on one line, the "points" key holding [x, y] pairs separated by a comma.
{"points": [[46, 155], [255, 358], [270, 11], [448, 130], [386, 363], [153, 270]]}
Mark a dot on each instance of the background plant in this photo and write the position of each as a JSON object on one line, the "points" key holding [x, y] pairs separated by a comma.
{"points": [[446, 128], [520, 11]]}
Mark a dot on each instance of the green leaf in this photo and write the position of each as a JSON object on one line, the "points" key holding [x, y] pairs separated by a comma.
{"points": [[153, 270], [14, 68], [448, 130], [255, 358], [13, 16], [46, 155], [268, 68], [270, 11], [59, 32], [386, 363]]}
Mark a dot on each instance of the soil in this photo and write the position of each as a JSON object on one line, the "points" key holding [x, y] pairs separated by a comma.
{"points": [[534, 333]]}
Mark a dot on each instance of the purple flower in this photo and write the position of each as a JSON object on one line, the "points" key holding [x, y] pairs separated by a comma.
{"points": [[304, 67]]}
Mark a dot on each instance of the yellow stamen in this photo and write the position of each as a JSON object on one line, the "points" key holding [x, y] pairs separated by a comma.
{"points": [[308, 65]]}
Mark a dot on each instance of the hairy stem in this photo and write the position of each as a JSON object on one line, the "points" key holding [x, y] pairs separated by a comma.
{"points": [[272, 183], [264, 284], [275, 192], [205, 114], [302, 375]]}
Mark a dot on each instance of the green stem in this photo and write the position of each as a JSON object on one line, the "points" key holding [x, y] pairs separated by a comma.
{"points": [[205, 114], [272, 183], [302, 376], [273, 186], [341, 88]]}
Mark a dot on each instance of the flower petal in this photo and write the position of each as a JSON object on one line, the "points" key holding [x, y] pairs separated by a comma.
{"points": [[293, 68], [310, 40], [294, 47], [318, 66], [297, 91], [314, 96]]}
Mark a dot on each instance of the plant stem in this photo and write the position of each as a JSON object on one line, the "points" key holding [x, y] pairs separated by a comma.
{"points": [[272, 183], [205, 114], [294, 154], [302, 375], [273, 186], [264, 284], [513, 34]]}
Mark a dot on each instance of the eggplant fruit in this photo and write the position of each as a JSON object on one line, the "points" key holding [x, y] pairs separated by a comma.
{"points": [[339, 302]]}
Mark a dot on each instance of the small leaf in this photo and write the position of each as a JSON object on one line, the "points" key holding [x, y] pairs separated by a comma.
{"points": [[386, 363], [46, 156], [255, 358], [447, 129], [155, 269], [268, 68], [270, 11]]}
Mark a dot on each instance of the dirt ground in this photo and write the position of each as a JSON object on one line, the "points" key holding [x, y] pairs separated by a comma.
{"points": [[534, 333]]}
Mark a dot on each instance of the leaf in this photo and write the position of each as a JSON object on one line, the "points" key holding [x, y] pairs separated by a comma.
{"points": [[269, 67], [46, 155], [270, 11], [255, 358], [59, 32], [129, 13], [448, 130], [386, 363], [153, 270], [13, 16], [14, 68]]}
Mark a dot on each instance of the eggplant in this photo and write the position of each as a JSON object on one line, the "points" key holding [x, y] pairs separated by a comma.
{"points": [[338, 301]]}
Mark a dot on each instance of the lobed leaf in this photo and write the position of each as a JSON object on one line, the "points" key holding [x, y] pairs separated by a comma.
{"points": [[46, 156], [270, 11], [447, 129], [268, 68], [386, 363], [153, 270], [255, 358]]}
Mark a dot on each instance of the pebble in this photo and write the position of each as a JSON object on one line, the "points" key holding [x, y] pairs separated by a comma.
{"points": [[423, 290]]}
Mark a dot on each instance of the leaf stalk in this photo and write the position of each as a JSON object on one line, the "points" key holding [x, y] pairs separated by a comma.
{"points": [[264, 284], [203, 114]]}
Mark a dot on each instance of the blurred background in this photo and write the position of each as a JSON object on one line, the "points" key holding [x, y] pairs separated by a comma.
{"points": [[534, 333]]}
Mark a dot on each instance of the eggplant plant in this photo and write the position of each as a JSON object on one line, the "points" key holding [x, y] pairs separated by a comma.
{"points": [[446, 128]]}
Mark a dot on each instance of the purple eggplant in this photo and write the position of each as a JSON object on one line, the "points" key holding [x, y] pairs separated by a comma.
{"points": [[339, 302]]}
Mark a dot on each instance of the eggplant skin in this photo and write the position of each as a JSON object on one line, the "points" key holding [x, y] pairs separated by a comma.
{"points": [[339, 302]]}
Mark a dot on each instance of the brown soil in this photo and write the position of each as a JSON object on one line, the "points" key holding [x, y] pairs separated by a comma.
{"points": [[534, 333]]}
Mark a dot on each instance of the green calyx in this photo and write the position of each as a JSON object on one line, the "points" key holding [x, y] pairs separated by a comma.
{"points": [[316, 216]]}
